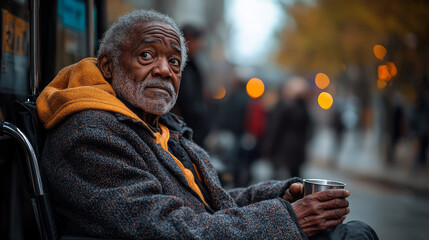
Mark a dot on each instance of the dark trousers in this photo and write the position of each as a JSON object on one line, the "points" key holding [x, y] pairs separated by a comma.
{"points": [[354, 230]]}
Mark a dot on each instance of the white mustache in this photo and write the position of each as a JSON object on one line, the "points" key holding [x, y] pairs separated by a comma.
{"points": [[157, 81]]}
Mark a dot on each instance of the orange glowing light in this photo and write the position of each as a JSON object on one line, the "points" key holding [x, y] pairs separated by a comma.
{"points": [[383, 73], [325, 100], [255, 87], [321, 80], [220, 93], [379, 52], [381, 84], [392, 69]]}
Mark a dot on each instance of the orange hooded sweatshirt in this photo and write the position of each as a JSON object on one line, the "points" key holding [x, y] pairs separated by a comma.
{"points": [[80, 87]]}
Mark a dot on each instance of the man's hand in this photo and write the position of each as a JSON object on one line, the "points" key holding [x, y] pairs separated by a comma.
{"points": [[294, 192], [322, 210]]}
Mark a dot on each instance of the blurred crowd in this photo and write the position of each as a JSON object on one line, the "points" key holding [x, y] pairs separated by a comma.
{"points": [[241, 132], [410, 123]]}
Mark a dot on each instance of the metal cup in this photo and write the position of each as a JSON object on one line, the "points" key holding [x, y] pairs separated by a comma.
{"points": [[318, 185]]}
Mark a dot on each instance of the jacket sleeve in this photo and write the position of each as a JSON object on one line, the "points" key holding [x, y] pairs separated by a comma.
{"points": [[103, 190], [261, 191]]}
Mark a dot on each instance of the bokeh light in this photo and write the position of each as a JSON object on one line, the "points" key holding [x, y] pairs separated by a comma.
{"points": [[322, 80], [379, 51], [220, 93], [325, 100], [255, 87], [381, 84], [383, 73], [392, 69]]}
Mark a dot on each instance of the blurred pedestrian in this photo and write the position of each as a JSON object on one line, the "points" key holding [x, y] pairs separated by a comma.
{"points": [[338, 126], [191, 103], [398, 128], [288, 128], [254, 129], [231, 117], [420, 129]]}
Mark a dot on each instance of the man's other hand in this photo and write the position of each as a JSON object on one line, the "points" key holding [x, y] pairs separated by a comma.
{"points": [[322, 210], [294, 192]]}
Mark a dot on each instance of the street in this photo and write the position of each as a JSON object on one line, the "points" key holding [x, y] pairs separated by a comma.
{"points": [[391, 200], [394, 213], [385, 198]]}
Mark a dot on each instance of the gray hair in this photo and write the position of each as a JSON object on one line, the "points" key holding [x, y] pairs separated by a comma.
{"points": [[116, 37]]}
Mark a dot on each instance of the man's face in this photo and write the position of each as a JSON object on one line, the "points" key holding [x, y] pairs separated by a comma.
{"points": [[148, 75]]}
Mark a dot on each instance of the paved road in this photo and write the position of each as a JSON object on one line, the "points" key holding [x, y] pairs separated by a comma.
{"points": [[395, 213], [385, 198]]}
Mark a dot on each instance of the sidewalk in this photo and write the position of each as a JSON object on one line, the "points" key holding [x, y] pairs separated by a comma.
{"points": [[359, 155]]}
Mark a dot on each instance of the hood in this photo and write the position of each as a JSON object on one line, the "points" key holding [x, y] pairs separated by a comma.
{"points": [[78, 87]]}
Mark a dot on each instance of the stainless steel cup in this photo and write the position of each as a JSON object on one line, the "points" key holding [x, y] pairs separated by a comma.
{"points": [[318, 185]]}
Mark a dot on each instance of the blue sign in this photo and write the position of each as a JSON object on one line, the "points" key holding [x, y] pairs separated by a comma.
{"points": [[72, 13]]}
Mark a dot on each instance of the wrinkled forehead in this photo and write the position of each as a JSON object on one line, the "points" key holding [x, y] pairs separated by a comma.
{"points": [[158, 30]]}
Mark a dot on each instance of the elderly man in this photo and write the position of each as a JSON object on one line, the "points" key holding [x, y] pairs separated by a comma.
{"points": [[119, 165]]}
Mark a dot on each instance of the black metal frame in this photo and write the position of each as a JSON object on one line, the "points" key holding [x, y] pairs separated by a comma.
{"points": [[39, 198]]}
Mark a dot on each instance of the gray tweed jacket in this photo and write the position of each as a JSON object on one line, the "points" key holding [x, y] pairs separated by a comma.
{"points": [[108, 178]]}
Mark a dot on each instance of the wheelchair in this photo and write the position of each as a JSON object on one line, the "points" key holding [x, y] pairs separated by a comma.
{"points": [[28, 133]]}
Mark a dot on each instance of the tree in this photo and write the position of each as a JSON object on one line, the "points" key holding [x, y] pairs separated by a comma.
{"points": [[328, 35]]}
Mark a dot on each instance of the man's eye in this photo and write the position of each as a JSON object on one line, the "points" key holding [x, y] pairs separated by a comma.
{"points": [[175, 61], [145, 55]]}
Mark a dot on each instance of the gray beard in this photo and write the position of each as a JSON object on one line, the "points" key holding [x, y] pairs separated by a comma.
{"points": [[132, 91]]}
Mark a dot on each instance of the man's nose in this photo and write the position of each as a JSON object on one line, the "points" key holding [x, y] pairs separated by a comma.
{"points": [[162, 69]]}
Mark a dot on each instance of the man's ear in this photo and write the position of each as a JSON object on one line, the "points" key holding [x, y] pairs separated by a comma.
{"points": [[105, 64]]}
